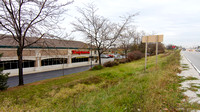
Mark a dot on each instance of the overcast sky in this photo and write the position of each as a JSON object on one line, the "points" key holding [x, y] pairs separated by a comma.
{"points": [[177, 20]]}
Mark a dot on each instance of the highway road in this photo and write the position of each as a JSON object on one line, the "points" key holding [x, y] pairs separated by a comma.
{"points": [[193, 57]]}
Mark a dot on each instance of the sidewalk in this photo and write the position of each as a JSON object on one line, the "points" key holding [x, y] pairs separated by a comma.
{"points": [[192, 83]]}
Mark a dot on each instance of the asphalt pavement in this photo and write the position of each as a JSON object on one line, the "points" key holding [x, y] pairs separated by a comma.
{"points": [[194, 58], [29, 78]]}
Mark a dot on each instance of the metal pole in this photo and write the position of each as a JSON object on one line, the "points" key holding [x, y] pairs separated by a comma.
{"points": [[156, 50], [91, 53], [63, 67], [146, 46]]}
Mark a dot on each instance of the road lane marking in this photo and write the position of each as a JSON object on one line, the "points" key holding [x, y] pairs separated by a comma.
{"points": [[193, 65]]}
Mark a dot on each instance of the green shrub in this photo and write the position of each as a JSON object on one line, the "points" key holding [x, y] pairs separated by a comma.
{"points": [[110, 64], [135, 55], [97, 67], [107, 75], [3, 79], [123, 61]]}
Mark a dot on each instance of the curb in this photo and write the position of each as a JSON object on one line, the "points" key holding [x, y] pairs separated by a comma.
{"points": [[193, 65]]}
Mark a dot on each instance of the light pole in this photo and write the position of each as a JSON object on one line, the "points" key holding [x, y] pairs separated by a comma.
{"points": [[63, 66], [91, 53], [115, 48], [91, 57]]}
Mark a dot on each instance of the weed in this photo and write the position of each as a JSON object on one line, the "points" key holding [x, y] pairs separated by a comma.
{"points": [[166, 54], [183, 79], [194, 87], [91, 80], [97, 67], [107, 75], [184, 66], [125, 87]]}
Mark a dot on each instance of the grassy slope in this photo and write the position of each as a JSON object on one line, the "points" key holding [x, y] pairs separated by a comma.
{"points": [[121, 88]]}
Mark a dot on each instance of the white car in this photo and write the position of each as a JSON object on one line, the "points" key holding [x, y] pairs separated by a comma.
{"points": [[104, 56]]}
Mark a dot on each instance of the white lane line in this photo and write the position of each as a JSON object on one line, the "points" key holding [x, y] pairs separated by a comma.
{"points": [[193, 65], [197, 69]]}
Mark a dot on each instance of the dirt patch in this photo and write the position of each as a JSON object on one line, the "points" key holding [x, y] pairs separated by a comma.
{"points": [[87, 81], [107, 84], [91, 80], [165, 55]]}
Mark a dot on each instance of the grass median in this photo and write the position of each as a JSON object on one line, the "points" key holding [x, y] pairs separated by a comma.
{"points": [[125, 87]]}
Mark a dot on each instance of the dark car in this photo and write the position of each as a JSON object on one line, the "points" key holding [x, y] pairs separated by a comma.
{"points": [[183, 49]]}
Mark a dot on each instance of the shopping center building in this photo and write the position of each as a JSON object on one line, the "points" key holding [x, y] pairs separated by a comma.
{"points": [[45, 55]]}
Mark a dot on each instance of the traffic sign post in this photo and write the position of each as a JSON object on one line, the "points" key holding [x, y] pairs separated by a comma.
{"points": [[146, 46], [152, 38], [156, 50]]}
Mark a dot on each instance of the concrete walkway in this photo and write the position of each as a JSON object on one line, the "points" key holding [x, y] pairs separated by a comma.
{"points": [[192, 87]]}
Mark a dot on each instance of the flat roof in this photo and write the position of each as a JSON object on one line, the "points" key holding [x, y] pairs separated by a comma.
{"points": [[7, 41]]}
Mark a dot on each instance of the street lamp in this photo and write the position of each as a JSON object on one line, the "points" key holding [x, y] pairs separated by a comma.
{"points": [[90, 51]]}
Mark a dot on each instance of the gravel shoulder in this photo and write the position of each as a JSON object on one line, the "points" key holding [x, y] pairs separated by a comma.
{"points": [[191, 85]]}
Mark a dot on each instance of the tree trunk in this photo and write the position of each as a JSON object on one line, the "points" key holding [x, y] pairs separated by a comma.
{"points": [[126, 54], [99, 57], [20, 62]]}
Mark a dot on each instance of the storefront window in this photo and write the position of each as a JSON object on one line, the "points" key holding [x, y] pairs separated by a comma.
{"points": [[77, 59], [13, 64], [54, 61]]}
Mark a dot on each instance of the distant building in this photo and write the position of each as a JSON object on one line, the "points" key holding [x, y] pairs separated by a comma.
{"points": [[115, 51], [45, 55]]}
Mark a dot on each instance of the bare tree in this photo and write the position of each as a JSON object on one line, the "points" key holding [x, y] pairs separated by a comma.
{"points": [[29, 18], [137, 42], [127, 38], [98, 29]]}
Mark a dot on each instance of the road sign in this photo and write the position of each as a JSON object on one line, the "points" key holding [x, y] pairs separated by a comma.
{"points": [[152, 38]]}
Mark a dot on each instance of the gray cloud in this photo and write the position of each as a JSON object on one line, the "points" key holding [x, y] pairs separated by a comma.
{"points": [[178, 20]]}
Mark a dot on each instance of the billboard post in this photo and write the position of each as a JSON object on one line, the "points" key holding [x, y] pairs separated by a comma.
{"points": [[155, 39]]}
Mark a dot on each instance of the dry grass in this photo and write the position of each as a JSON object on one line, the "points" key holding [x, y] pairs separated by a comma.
{"points": [[121, 88]]}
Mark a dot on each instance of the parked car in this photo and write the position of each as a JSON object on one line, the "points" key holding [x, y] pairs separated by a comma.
{"points": [[197, 50], [183, 49], [118, 56], [104, 56], [111, 56], [190, 50]]}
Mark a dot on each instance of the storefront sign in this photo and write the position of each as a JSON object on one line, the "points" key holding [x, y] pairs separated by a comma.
{"points": [[80, 52]]}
